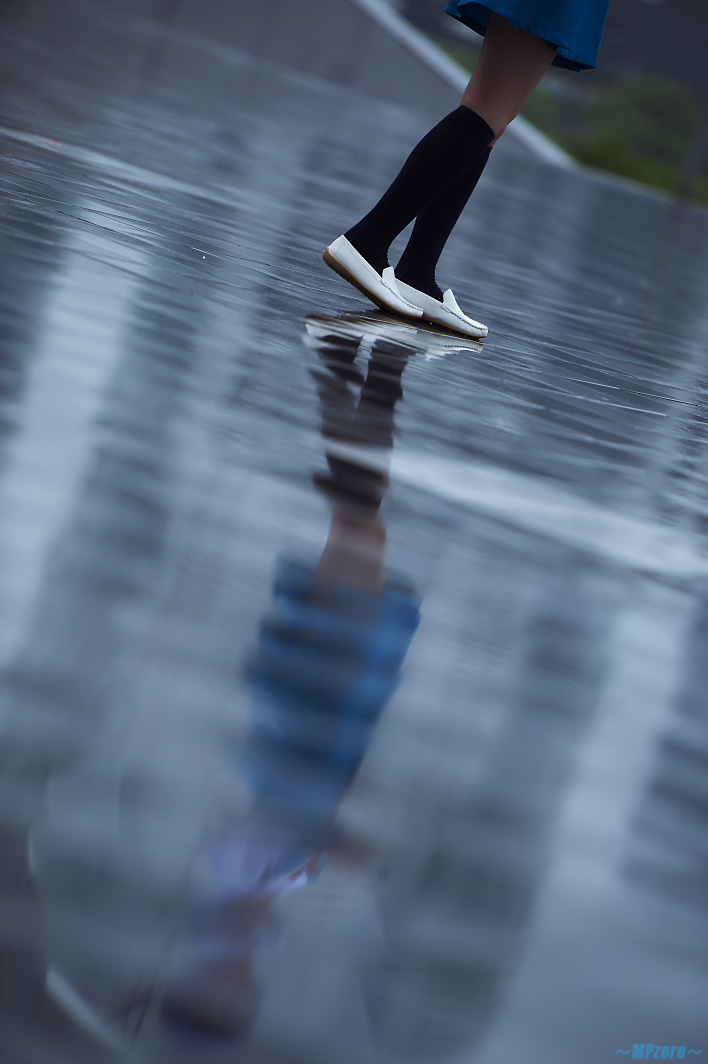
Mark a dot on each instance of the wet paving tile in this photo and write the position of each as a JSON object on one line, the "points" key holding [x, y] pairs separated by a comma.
{"points": [[352, 692]]}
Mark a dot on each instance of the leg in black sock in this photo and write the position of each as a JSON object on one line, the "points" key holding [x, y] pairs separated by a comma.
{"points": [[432, 229], [445, 153]]}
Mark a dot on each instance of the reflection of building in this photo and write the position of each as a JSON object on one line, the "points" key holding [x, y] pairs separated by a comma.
{"points": [[55, 379], [92, 449], [668, 849], [459, 900]]}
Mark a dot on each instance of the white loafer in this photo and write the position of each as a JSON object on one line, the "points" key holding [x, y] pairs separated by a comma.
{"points": [[344, 259], [446, 313]]}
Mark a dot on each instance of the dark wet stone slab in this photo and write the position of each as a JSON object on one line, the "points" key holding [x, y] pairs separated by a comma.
{"points": [[206, 442]]}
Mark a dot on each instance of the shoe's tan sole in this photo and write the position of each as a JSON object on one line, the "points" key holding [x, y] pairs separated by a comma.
{"points": [[345, 275]]}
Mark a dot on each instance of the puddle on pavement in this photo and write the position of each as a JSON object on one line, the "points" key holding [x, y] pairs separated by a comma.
{"points": [[353, 673]]}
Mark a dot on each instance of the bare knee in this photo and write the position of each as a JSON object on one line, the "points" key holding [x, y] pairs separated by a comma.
{"points": [[510, 66]]}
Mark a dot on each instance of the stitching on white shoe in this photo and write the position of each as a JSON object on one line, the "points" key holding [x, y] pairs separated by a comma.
{"points": [[448, 310], [461, 316], [420, 293], [469, 322], [464, 318], [396, 295]]}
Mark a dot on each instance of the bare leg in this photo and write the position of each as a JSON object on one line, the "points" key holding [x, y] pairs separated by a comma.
{"points": [[510, 67], [354, 555]]}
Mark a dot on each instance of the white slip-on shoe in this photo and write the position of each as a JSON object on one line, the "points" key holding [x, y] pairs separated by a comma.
{"points": [[446, 313], [344, 259]]}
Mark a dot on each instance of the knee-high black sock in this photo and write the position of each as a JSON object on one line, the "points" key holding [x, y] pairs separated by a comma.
{"points": [[446, 152], [432, 229]]}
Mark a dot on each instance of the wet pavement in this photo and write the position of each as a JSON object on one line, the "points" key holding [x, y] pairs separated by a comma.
{"points": [[353, 675]]}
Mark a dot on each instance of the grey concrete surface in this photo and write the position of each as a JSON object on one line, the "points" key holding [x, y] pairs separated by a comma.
{"points": [[364, 46], [518, 869], [359, 44]]}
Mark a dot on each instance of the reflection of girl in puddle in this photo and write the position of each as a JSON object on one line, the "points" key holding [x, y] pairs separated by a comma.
{"points": [[328, 660]]}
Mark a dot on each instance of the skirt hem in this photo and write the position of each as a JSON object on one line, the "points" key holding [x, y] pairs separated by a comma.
{"points": [[566, 57]]}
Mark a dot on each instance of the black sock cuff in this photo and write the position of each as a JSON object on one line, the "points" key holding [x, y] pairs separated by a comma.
{"points": [[475, 124]]}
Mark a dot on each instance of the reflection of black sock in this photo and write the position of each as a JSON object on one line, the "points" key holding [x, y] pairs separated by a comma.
{"points": [[432, 229], [357, 481], [446, 152]]}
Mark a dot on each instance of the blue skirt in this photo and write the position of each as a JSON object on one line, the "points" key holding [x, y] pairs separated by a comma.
{"points": [[573, 27]]}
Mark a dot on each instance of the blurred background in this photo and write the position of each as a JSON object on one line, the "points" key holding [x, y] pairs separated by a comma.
{"points": [[352, 674], [643, 114]]}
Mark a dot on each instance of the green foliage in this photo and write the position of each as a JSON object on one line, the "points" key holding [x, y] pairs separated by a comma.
{"points": [[464, 55], [654, 118], [642, 129]]}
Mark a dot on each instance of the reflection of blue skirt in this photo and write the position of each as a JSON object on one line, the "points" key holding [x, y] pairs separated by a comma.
{"points": [[328, 660], [573, 27]]}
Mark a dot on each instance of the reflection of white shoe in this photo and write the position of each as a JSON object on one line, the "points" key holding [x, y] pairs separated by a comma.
{"points": [[322, 329], [344, 259], [446, 313], [419, 339]]}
